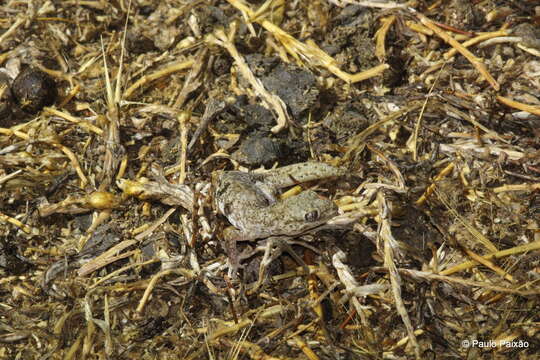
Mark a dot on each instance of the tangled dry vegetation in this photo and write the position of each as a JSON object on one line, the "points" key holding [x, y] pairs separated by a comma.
{"points": [[110, 247]]}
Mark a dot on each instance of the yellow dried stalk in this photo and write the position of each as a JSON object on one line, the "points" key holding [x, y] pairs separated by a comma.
{"points": [[380, 36], [476, 62], [71, 156], [520, 106], [179, 66], [495, 255], [154, 280], [27, 229], [308, 51], [67, 116], [305, 348], [490, 35], [517, 187], [419, 28], [489, 264], [431, 188]]}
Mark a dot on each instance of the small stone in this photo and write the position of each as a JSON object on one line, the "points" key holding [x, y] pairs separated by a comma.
{"points": [[256, 151], [33, 90]]}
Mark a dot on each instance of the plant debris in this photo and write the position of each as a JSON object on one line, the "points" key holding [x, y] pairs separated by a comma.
{"points": [[117, 117]]}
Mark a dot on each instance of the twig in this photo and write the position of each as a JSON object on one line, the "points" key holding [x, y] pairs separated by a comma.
{"points": [[66, 116], [309, 50], [390, 247], [272, 101], [183, 118], [476, 62], [179, 66], [107, 257], [153, 282], [431, 188], [517, 187], [27, 229], [380, 36], [450, 53], [520, 106]]}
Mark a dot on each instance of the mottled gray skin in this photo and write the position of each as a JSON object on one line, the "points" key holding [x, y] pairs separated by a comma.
{"points": [[250, 203]]}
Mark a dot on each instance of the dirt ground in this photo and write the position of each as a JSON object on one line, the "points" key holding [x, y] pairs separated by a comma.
{"points": [[116, 117]]}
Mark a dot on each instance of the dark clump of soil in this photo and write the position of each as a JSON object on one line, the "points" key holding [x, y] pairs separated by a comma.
{"points": [[33, 90]]}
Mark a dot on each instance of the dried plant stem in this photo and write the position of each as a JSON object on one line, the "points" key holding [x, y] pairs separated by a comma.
{"points": [[463, 282], [390, 244], [495, 255], [380, 36], [450, 53], [71, 156], [9, 176], [72, 93], [179, 66], [66, 116], [154, 226], [272, 101], [431, 188], [305, 348], [405, 340], [20, 20], [489, 264], [476, 62], [183, 119], [27, 229], [370, 4], [520, 106], [121, 270], [357, 140], [309, 50], [419, 28], [517, 187], [107, 257], [154, 280], [530, 50]]}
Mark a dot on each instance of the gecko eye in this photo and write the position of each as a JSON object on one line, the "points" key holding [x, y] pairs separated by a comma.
{"points": [[312, 216]]}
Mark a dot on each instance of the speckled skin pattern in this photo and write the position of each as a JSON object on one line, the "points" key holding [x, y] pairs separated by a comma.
{"points": [[249, 201]]}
